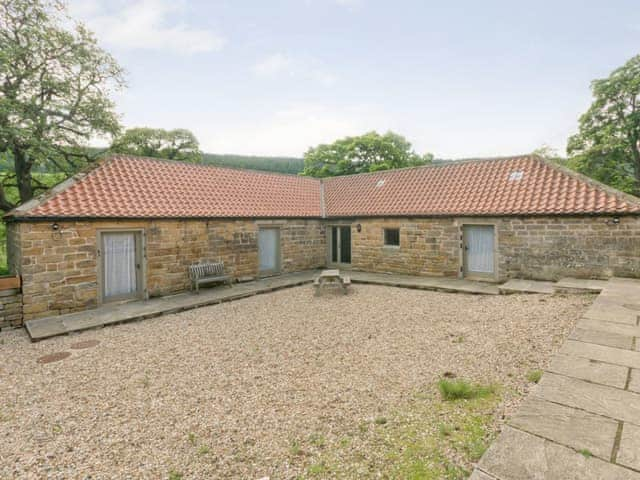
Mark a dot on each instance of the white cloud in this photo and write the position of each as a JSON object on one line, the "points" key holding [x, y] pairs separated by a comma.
{"points": [[289, 131], [279, 65], [145, 25], [274, 65]]}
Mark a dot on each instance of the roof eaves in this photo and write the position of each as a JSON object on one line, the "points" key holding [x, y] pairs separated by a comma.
{"points": [[24, 209], [589, 181]]}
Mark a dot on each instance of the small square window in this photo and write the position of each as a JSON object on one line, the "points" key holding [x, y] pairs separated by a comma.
{"points": [[392, 237]]}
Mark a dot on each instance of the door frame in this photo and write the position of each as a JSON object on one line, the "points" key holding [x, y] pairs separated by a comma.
{"points": [[278, 268], [464, 273], [141, 257], [339, 225]]}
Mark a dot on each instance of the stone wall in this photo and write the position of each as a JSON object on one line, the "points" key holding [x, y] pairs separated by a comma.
{"points": [[548, 248], [59, 269], [542, 248], [10, 308], [427, 247]]}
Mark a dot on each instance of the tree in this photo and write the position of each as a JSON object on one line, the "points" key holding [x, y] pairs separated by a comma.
{"points": [[366, 153], [55, 86], [607, 145], [176, 144]]}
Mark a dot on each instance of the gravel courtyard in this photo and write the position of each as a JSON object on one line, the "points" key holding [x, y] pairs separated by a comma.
{"points": [[237, 390]]}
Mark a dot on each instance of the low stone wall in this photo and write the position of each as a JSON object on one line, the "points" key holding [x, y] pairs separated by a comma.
{"points": [[10, 308], [59, 268]]}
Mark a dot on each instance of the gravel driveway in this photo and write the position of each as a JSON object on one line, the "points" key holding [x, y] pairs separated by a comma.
{"points": [[225, 391]]}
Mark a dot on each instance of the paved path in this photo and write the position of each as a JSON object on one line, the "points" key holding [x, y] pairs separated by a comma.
{"points": [[583, 420], [125, 312], [441, 284]]}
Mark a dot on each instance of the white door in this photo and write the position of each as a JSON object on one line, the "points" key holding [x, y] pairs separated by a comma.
{"points": [[269, 250], [478, 245], [120, 267]]}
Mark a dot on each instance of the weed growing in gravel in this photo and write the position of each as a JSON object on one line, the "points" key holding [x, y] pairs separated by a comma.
{"points": [[295, 449], [586, 453], [174, 475], [317, 469], [193, 439], [428, 439], [534, 376], [380, 420], [317, 440], [459, 389], [204, 450]]}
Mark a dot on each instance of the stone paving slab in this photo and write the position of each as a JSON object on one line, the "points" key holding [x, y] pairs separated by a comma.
{"points": [[580, 285], [589, 398], [634, 381], [442, 284], [567, 426], [118, 313], [599, 399], [609, 339], [618, 356], [590, 370], [518, 455], [124, 312], [629, 452], [612, 311], [526, 286], [478, 475], [604, 326]]}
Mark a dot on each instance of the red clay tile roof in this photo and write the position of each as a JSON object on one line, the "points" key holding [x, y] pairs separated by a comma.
{"points": [[125, 186], [524, 185], [133, 187]]}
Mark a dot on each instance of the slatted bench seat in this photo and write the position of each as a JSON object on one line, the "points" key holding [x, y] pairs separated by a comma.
{"points": [[201, 273]]}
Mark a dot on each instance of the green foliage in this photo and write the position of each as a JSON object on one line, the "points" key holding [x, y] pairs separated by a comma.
{"points": [[370, 152], [427, 438], [175, 475], [534, 376], [585, 453], [269, 164], [460, 389], [607, 145], [55, 88], [178, 144]]}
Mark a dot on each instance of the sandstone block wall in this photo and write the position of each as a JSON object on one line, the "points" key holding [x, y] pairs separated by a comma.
{"points": [[10, 308], [59, 269], [542, 248]]}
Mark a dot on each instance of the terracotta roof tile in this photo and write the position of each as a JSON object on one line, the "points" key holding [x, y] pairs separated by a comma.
{"points": [[126, 186], [524, 185], [134, 187]]}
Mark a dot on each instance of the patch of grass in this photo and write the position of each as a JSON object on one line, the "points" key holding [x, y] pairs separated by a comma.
{"points": [[585, 453], [534, 376], [57, 429], [204, 450], [295, 449], [461, 389], [317, 469], [445, 430], [428, 438], [175, 475], [193, 439], [380, 420], [317, 440]]}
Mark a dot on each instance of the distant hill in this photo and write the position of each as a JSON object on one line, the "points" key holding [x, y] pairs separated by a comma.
{"points": [[269, 164]]}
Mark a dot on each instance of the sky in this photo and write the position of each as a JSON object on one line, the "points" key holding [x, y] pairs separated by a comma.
{"points": [[458, 79]]}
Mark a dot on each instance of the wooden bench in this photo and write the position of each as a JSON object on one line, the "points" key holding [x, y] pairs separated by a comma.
{"points": [[207, 273]]}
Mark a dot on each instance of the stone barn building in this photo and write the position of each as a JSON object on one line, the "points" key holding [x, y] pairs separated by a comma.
{"points": [[130, 227]]}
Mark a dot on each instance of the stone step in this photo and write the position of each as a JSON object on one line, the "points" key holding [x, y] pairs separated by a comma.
{"points": [[526, 286], [579, 285]]}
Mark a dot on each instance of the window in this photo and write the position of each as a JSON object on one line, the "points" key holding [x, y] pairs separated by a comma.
{"points": [[392, 237]]}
